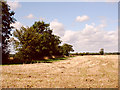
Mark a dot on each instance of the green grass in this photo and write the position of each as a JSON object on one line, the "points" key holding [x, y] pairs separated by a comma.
{"points": [[41, 61], [49, 60], [11, 64]]}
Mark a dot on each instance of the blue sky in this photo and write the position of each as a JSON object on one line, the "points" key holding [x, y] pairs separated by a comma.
{"points": [[67, 12], [88, 26]]}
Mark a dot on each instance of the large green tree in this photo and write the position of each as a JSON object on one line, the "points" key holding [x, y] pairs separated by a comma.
{"points": [[7, 19], [36, 41]]}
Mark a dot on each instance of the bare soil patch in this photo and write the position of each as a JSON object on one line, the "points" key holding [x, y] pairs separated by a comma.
{"points": [[76, 72]]}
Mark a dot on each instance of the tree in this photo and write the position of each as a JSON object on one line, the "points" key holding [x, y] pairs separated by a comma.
{"points": [[49, 41], [101, 51], [7, 19], [36, 41], [66, 48]]}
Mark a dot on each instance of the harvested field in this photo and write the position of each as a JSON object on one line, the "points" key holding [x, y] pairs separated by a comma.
{"points": [[76, 72]]}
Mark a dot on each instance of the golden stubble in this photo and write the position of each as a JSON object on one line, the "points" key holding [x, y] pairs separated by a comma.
{"points": [[97, 71]]}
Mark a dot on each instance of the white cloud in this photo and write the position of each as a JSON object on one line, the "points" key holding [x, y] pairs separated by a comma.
{"points": [[14, 4], [82, 18], [17, 25], [30, 16], [58, 28], [91, 38]]}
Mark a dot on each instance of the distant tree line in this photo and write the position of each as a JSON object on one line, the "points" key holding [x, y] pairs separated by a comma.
{"points": [[113, 53], [101, 52], [89, 53]]}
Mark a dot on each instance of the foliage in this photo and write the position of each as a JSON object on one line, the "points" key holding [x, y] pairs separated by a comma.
{"points": [[36, 41], [7, 19], [85, 53], [17, 62], [112, 53], [89, 53], [66, 48]]}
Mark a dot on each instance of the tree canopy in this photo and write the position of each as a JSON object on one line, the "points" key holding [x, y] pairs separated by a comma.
{"points": [[66, 48], [7, 19], [36, 41]]}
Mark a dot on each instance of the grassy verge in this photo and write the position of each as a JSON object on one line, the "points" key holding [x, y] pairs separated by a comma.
{"points": [[42, 61], [50, 60], [11, 64]]}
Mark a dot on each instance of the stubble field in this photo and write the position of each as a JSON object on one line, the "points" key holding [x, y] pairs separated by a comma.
{"points": [[98, 71]]}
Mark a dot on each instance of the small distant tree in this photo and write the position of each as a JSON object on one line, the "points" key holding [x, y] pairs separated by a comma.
{"points": [[66, 48], [101, 51]]}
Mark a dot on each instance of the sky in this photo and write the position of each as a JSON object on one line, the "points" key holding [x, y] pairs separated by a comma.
{"points": [[88, 26]]}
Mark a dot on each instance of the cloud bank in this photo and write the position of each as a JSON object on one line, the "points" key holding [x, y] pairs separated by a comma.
{"points": [[91, 38]]}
